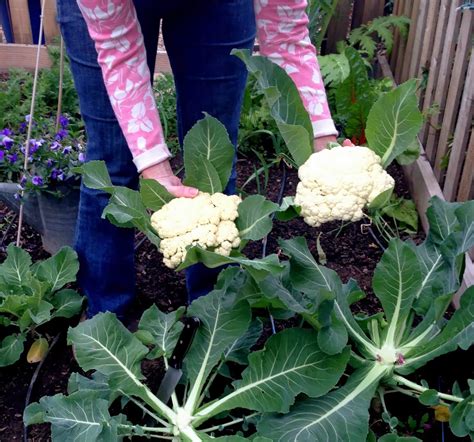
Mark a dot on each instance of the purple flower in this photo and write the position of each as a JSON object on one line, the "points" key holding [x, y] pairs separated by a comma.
{"points": [[67, 150], [55, 146], [27, 118], [2, 155], [17, 196], [7, 142], [63, 121], [23, 180], [12, 158], [50, 162], [82, 157], [6, 132], [37, 180], [23, 127], [61, 134], [35, 145], [57, 174]]}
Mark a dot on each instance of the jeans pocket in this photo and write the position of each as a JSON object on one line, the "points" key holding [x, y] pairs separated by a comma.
{"points": [[67, 11]]}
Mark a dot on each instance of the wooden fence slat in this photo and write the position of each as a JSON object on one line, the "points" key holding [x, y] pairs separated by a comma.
{"points": [[467, 179], [51, 29], [443, 79], [420, 35], [461, 135], [366, 10], [20, 21], [456, 85], [414, 16], [339, 25], [23, 56], [434, 62], [397, 10], [406, 11], [428, 40]]}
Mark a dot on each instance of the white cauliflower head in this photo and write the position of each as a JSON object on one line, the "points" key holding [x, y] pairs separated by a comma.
{"points": [[338, 183], [206, 221]]}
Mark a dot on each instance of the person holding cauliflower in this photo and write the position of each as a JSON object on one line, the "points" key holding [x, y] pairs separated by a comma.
{"points": [[112, 46]]}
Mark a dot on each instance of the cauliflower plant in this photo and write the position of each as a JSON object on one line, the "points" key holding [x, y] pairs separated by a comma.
{"points": [[206, 221], [338, 183]]}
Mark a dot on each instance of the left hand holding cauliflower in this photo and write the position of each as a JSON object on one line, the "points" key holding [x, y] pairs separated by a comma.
{"points": [[206, 221], [338, 183]]}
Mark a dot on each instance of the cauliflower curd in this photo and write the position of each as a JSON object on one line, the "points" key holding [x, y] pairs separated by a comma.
{"points": [[338, 183], [206, 221]]}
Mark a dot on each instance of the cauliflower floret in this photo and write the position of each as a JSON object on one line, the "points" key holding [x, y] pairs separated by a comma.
{"points": [[338, 183], [206, 220]]}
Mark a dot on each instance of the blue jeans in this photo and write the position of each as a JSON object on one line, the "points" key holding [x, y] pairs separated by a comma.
{"points": [[198, 35]]}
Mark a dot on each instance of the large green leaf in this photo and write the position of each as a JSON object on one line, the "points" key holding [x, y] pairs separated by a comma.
{"points": [[290, 363], [285, 103], [104, 344], [81, 416], [222, 322], [341, 415], [11, 349], [334, 68], [259, 268], [163, 327], [354, 97], [461, 421], [394, 122], [254, 220], [458, 332], [306, 275], [239, 349], [208, 155], [60, 269], [396, 281], [442, 219], [66, 303], [154, 195], [96, 176], [15, 270]]}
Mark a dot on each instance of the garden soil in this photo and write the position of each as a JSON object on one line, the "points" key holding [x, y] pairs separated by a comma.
{"points": [[350, 250]]}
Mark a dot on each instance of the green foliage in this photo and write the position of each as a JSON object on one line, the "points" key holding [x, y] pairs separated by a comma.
{"points": [[320, 13], [366, 37], [16, 92], [32, 295]]}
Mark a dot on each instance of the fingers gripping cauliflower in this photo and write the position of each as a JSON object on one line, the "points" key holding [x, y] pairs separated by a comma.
{"points": [[206, 221], [337, 184]]}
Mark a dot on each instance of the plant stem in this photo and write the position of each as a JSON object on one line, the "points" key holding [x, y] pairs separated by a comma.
{"points": [[146, 429], [228, 424], [311, 320], [420, 389], [147, 411]]}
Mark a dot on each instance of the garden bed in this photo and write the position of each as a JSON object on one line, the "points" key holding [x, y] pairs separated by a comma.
{"points": [[350, 250]]}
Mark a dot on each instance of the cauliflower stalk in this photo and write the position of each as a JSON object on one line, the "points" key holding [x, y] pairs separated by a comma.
{"points": [[206, 221], [338, 183]]}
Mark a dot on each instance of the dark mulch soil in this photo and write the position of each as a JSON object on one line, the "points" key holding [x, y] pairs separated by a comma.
{"points": [[350, 250]]}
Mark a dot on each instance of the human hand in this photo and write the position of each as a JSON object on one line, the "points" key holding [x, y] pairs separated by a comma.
{"points": [[321, 143], [163, 173]]}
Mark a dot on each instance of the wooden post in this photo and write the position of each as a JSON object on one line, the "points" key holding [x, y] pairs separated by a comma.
{"points": [[457, 84], [339, 25], [461, 135], [407, 59], [51, 30], [407, 8], [397, 10], [20, 19], [366, 10], [420, 38]]}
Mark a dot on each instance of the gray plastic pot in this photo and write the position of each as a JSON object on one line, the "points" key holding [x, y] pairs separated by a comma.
{"points": [[54, 218]]}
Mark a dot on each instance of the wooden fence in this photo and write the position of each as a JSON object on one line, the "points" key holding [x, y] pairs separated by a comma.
{"points": [[439, 51]]}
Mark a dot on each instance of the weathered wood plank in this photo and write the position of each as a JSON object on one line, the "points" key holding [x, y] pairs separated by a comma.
{"points": [[434, 62], [420, 35], [461, 136], [444, 76], [340, 25], [407, 59], [397, 10], [401, 55], [366, 10], [466, 185], [23, 56], [51, 29], [20, 21], [456, 85]]}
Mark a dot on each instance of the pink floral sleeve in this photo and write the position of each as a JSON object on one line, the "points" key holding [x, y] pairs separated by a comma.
{"points": [[282, 27], [114, 27]]}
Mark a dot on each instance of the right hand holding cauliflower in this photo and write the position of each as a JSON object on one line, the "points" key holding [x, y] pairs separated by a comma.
{"points": [[206, 221], [338, 183]]}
